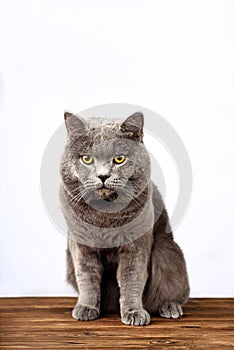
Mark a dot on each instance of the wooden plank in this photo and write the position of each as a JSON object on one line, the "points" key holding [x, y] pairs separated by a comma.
{"points": [[34, 323]]}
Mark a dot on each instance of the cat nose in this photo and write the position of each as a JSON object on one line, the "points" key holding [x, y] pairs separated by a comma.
{"points": [[103, 177]]}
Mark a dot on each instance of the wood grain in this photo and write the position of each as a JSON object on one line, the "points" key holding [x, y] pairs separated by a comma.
{"points": [[46, 323]]}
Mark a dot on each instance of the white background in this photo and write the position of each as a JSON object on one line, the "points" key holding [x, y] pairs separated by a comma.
{"points": [[174, 57]]}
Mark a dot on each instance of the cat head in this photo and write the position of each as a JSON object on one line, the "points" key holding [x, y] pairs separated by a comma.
{"points": [[105, 157]]}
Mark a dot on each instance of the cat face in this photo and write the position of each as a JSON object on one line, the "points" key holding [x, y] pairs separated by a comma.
{"points": [[104, 157]]}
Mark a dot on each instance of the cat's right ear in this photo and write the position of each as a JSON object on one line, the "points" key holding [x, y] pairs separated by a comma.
{"points": [[75, 125]]}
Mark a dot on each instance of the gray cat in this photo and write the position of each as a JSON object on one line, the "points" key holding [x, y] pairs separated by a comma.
{"points": [[121, 256]]}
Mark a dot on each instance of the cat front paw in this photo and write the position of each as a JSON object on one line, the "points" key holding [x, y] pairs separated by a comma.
{"points": [[136, 318], [171, 310], [85, 313]]}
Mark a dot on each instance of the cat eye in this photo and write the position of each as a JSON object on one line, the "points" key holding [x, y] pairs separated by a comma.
{"points": [[119, 159], [87, 159]]}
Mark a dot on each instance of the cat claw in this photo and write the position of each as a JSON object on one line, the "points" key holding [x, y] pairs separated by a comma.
{"points": [[84, 313], [171, 310], [136, 318]]}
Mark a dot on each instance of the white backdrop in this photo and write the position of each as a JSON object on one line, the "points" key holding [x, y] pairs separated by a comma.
{"points": [[174, 57]]}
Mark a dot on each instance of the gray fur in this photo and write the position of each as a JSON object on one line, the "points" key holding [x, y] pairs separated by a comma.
{"points": [[139, 277]]}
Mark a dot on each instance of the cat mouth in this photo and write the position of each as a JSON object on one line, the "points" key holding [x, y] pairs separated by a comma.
{"points": [[107, 194]]}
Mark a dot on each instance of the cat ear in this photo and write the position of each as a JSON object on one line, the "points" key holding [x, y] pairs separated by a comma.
{"points": [[134, 125], [75, 125]]}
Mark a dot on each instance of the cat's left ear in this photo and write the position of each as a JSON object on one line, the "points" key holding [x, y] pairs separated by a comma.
{"points": [[75, 125], [134, 125]]}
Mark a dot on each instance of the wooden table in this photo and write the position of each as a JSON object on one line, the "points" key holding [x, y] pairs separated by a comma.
{"points": [[46, 323]]}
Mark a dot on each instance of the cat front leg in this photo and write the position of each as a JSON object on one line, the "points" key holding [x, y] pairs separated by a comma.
{"points": [[132, 276], [88, 271]]}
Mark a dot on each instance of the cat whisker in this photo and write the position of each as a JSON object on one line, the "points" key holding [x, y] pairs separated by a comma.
{"points": [[126, 192], [79, 196]]}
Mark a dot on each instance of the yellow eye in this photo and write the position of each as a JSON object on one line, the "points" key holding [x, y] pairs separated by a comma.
{"points": [[87, 159], [119, 159]]}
